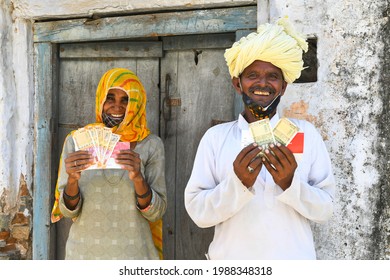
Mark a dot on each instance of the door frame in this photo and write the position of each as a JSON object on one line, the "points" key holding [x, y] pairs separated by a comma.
{"points": [[47, 37]]}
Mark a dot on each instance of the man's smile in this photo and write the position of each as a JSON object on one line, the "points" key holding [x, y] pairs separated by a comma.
{"points": [[265, 91], [257, 92]]}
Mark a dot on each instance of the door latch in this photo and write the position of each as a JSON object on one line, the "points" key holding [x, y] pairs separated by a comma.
{"points": [[169, 102]]}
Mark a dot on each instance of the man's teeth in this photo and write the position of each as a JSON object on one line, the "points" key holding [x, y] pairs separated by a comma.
{"points": [[261, 92], [117, 116]]}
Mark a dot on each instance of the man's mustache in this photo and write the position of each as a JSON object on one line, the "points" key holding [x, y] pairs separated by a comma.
{"points": [[258, 88]]}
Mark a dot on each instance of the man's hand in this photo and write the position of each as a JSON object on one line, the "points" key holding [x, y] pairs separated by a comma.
{"points": [[281, 164], [247, 164]]}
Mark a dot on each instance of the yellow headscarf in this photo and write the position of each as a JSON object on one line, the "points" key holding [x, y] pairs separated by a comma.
{"points": [[278, 44], [132, 128]]}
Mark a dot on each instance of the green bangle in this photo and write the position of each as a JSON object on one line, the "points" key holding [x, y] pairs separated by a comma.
{"points": [[145, 195], [73, 197]]}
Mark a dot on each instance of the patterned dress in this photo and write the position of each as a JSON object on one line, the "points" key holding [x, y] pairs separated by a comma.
{"points": [[108, 223]]}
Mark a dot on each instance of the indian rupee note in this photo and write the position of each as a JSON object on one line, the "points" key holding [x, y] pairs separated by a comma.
{"points": [[111, 145], [284, 131], [105, 142], [82, 139], [262, 133]]}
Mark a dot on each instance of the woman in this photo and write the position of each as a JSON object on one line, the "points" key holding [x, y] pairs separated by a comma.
{"points": [[114, 209]]}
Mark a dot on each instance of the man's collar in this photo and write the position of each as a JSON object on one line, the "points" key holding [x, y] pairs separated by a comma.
{"points": [[244, 125]]}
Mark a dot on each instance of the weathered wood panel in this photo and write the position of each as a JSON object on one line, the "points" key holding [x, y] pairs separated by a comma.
{"points": [[150, 25], [111, 50], [203, 41], [45, 66], [38, 9], [168, 122], [207, 98], [148, 71], [206, 93]]}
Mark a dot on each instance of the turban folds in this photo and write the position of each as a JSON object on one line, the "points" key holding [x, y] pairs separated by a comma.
{"points": [[277, 43]]}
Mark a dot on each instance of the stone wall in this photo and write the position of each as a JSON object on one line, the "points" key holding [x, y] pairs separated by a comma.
{"points": [[15, 226]]}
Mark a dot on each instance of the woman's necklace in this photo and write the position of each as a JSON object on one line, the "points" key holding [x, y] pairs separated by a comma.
{"points": [[114, 178]]}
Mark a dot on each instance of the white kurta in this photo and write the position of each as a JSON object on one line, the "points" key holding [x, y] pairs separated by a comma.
{"points": [[262, 222]]}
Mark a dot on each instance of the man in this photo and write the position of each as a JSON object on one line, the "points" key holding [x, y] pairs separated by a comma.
{"points": [[261, 206]]}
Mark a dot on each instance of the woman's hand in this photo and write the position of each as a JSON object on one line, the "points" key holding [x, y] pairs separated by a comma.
{"points": [[130, 161], [77, 162], [74, 164]]}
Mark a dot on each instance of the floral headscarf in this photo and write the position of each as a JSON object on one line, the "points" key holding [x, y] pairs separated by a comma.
{"points": [[134, 125]]}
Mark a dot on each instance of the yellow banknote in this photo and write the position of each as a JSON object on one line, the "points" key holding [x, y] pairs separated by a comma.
{"points": [[284, 131], [111, 145], [82, 139], [262, 133], [99, 140]]}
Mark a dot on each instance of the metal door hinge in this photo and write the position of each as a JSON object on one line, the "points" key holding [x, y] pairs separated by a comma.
{"points": [[173, 102]]}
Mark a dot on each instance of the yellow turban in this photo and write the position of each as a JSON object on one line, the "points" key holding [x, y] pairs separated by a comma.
{"points": [[278, 44]]}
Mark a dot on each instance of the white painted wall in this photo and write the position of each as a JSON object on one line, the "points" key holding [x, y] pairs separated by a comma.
{"points": [[16, 100], [345, 104]]}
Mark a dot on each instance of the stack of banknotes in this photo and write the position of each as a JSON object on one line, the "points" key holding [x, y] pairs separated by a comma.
{"points": [[283, 132], [101, 142], [264, 135]]}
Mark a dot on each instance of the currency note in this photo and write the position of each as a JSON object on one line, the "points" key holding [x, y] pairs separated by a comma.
{"points": [[262, 133], [105, 142], [110, 163], [111, 145], [99, 138], [100, 141], [82, 139], [284, 131], [92, 132]]}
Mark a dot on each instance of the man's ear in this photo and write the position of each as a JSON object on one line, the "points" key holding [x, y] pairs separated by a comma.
{"points": [[284, 86], [237, 85]]}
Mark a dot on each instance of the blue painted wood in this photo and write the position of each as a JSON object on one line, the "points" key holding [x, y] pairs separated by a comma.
{"points": [[113, 50], [150, 25], [42, 151], [203, 41]]}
